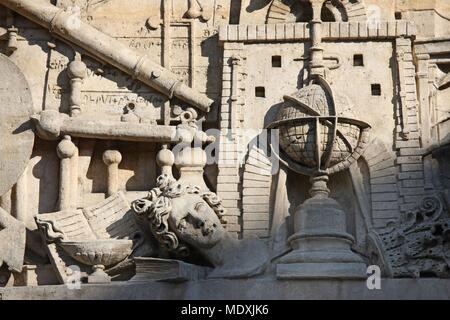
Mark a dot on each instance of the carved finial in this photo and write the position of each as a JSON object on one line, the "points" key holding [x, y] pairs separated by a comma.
{"points": [[66, 148], [77, 68], [112, 157], [76, 71], [165, 160]]}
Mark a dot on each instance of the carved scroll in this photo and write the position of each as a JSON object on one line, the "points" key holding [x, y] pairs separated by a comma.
{"points": [[417, 244]]}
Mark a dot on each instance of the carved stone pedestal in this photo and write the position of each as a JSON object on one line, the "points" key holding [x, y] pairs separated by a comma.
{"points": [[190, 162], [99, 275], [321, 245]]}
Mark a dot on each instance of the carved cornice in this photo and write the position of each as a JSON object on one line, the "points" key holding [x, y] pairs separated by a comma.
{"points": [[330, 31]]}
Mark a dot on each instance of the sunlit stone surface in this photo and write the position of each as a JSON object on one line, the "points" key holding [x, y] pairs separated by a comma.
{"points": [[249, 149]]}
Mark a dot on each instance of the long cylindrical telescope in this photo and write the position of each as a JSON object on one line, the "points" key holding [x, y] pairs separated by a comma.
{"points": [[68, 26]]}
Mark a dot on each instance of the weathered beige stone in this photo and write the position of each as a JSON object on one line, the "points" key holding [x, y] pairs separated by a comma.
{"points": [[119, 94], [12, 236], [15, 130]]}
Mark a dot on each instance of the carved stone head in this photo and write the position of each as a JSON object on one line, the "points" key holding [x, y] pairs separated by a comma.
{"points": [[182, 216]]}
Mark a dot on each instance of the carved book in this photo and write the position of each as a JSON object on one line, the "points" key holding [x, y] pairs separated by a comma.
{"points": [[153, 269]]}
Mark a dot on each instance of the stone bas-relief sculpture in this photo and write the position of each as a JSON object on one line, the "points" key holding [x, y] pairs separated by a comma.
{"points": [[320, 221], [242, 142], [99, 236], [417, 244], [184, 218]]}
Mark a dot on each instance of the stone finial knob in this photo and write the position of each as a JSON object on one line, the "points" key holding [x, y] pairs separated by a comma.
{"points": [[77, 68], [111, 157], [319, 187], [165, 158], [66, 148]]}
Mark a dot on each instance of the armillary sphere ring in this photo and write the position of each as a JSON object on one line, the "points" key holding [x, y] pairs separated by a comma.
{"points": [[322, 167]]}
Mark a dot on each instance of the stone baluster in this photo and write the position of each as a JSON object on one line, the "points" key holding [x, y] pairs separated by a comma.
{"points": [[112, 159], [190, 162], [76, 72], [165, 160], [316, 50], [66, 150]]}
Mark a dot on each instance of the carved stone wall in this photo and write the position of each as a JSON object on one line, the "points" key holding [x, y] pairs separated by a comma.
{"points": [[106, 102]]}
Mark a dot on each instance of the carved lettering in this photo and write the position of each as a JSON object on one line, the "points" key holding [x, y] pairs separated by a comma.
{"points": [[145, 44], [122, 99]]}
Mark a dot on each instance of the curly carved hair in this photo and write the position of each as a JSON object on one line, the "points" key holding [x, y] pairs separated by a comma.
{"points": [[157, 206]]}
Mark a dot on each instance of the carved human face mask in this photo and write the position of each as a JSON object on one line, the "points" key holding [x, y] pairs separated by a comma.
{"points": [[195, 222]]}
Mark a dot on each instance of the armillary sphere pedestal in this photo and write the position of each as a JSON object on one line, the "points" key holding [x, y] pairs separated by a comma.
{"points": [[321, 245], [319, 136]]}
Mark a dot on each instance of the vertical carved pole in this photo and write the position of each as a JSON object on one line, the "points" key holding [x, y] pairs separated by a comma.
{"points": [[423, 87], [235, 64], [402, 93], [192, 52], [433, 103], [112, 159], [165, 160], [45, 103], [76, 72], [74, 175], [317, 67], [424, 96], [66, 151], [167, 42]]}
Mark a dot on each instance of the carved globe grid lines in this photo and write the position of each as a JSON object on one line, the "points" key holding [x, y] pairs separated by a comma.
{"points": [[311, 225], [313, 138], [298, 142]]}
